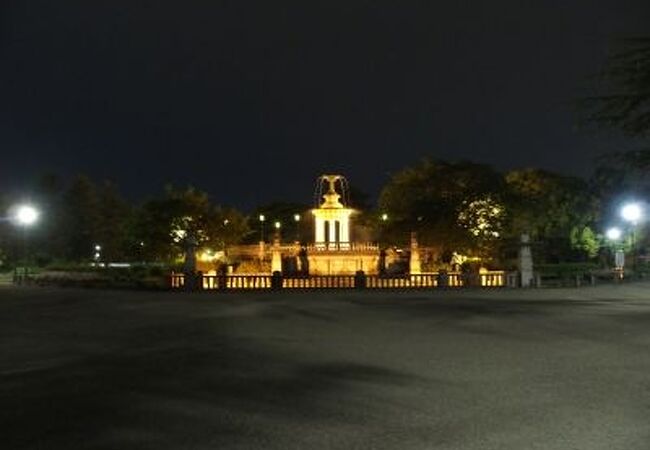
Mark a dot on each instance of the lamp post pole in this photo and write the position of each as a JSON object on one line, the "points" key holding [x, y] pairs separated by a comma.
{"points": [[632, 213], [614, 235], [24, 250], [262, 219], [25, 216], [296, 218], [277, 225]]}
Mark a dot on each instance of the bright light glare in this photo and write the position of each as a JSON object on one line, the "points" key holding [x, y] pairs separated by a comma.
{"points": [[384, 217], [277, 225], [614, 234], [26, 215], [631, 212], [296, 217]]}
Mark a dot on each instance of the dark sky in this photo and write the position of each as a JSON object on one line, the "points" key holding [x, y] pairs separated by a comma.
{"points": [[251, 100]]}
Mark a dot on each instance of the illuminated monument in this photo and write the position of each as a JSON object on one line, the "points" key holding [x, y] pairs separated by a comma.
{"points": [[331, 218], [333, 252]]}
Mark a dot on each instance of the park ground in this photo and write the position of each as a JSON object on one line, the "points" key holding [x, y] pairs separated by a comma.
{"points": [[506, 369]]}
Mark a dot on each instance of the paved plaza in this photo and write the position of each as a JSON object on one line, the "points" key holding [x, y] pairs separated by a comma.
{"points": [[507, 369]]}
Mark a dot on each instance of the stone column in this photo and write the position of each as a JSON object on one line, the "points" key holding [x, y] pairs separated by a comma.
{"points": [[415, 268], [526, 262], [276, 256], [332, 234], [189, 265], [344, 233], [319, 237]]}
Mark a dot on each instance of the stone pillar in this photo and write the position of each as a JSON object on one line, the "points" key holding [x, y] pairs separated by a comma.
{"points": [[332, 234], [415, 268], [319, 236], [189, 265], [344, 233], [276, 256], [526, 262]]}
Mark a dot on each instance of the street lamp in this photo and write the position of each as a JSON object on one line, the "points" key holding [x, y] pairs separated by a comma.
{"points": [[262, 220], [296, 218], [614, 234], [632, 213], [384, 217], [98, 255], [25, 216]]}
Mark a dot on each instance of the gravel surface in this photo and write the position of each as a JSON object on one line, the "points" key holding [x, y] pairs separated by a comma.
{"points": [[508, 369]]}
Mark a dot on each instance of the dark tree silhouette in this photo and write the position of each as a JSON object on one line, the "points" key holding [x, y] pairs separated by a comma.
{"points": [[622, 97]]}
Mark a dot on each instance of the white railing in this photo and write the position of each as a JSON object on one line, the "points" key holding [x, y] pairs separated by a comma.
{"points": [[342, 246]]}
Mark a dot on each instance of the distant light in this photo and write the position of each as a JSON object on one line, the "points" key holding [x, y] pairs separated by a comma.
{"points": [[614, 234], [262, 218], [226, 222], [26, 215], [277, 225], [384, 217], [632, 212], [296, 217], [98, 247]]}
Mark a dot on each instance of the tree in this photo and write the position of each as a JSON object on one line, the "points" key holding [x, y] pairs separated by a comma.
{"points": [[549, 206], [5, 242], [585, 241], [48, 237], [80, 216], [162, 227], [429, 197], [114, 215], [622, 100], [622, 174], [484, 219]]}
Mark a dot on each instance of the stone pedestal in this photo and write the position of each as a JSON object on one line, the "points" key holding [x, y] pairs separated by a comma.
{"points": [[526, 273], [276, 256], [189, 265], [415, 267], [343, 262]]}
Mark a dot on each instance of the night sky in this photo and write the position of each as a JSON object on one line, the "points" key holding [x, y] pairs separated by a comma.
{"points": [[251, 100]]}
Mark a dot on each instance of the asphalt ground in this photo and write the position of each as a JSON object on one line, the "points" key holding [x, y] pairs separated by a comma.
{"points": [[505, 369]]}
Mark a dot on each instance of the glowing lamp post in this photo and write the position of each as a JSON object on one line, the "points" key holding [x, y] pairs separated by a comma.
{"points": [[277, 225], [382, 228], [25, 216], [296, 219], [614, 234], [262, 220], [632, 213], [98, 253]]}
